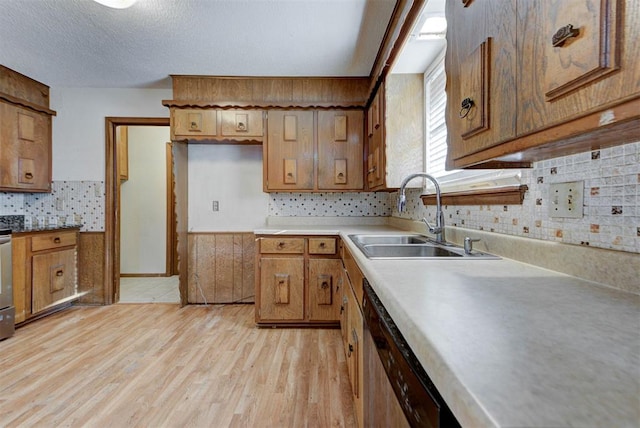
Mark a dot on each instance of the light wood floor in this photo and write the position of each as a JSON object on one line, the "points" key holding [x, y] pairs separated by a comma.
{"points": [[161, 366]]}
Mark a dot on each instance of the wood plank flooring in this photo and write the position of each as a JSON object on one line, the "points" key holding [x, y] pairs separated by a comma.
{"points": [[161, 366]]}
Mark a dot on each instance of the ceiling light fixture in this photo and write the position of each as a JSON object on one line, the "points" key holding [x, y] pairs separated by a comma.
{"points": [[116, 4], [434, 27]]}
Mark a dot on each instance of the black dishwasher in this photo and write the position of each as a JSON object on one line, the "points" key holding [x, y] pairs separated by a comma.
{"points": [[419, 399]]}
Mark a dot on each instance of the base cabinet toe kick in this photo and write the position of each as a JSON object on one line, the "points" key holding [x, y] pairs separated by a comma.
{"points": [[417, 402]]}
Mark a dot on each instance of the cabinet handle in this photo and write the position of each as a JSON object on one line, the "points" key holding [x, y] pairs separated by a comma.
{"points": [[59, 272], [280, 245], [372, 170], [28, 175], [350, 350], [56, 240], [324, 285], [322, 245], [465, 107], [563, 34]]}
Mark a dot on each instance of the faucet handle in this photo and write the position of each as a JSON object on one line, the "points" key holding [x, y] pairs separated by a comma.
{"points": [[432, 229], [468, 244]]}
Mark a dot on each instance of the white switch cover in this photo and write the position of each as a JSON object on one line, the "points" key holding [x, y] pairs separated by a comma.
{"points": [[566, 199]]}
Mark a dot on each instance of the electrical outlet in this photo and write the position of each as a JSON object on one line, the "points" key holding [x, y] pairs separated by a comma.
{"points": [[566, 199], [216, 206], [59, 204]]}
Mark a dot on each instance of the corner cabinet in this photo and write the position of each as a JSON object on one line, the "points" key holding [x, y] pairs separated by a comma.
{"points": [[298, 281], [531, 80], [314, 150], [395, 134], [44, 272], [25, 134]]}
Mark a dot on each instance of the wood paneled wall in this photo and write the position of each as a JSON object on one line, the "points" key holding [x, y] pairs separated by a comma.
{"points": [[302, 90], [91, 271], [221, 267]]}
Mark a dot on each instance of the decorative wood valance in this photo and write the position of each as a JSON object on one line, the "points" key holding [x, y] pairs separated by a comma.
{"points": [[511, 195], [26, 104], [225, 105]]}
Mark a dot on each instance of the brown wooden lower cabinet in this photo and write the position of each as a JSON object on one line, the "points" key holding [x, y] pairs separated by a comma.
{"points": [[44, 271], [221, 267], [298, 280], [352, 330]]}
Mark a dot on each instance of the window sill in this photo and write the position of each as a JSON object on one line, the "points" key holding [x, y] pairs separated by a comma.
{"points": [[512, 195]]}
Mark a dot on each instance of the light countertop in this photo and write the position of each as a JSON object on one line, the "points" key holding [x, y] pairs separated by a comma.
{"points": [[507, 343]]}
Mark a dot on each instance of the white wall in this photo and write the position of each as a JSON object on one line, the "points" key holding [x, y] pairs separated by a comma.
{"points": [[232, 175], [144, 202], [78, 128]]}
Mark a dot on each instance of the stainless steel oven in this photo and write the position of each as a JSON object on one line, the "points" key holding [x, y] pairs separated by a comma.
{"points": [[7, 311]]}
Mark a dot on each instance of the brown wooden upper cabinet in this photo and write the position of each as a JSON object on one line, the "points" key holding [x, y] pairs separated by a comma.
{"points": [[25, 133], [395, 132], [530, 80], [314, 150], [217, 126]]}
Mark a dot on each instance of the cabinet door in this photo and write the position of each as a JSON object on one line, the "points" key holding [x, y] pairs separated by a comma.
{"points": [[575, 57], [325, 281], [340, 150], [355, 355], [344, 311], [241, 123], [25, 149], [54, 278], [281, 289], [289, 151], [122, 145], [481, 70], [375, 149], [193, 123]]}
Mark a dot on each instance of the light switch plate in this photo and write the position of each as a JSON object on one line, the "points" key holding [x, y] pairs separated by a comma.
{"points": [[566, 199]]}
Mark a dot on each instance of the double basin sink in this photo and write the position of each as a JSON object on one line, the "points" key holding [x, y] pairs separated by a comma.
{"points": [[412, 246]]}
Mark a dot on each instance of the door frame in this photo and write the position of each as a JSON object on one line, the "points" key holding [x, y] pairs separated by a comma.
{"points": [[112, 201]]}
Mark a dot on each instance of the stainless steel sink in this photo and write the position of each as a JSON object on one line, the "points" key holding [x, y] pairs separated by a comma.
{"points": [[411, 246], [389, 239], [407, 251]]}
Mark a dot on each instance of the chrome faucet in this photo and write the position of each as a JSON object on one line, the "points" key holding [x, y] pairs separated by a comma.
{"points": [[438, 230]]}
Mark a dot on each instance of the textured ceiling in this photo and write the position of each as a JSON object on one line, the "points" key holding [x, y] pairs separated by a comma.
{"points": [[80, 43]]}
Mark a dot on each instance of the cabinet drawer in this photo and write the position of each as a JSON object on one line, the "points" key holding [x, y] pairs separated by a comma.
{"points": [[354, 274], [322, 245], [282, 245], [53, 240]]}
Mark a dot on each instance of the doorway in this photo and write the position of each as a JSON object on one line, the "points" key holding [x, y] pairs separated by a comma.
{"points": [[115, 171], [147, 234]]}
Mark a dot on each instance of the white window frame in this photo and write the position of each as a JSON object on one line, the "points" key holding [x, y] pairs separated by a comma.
{"points": [[459, 179]]}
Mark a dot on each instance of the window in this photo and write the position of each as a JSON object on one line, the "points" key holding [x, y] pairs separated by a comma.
{"points": [[435, 80]]}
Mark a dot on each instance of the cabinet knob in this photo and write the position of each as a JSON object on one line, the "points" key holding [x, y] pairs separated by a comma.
{"points": [[281, 244], [563, 34], [322, 245], [59, 272], [372, 170], [28, 175], [465, 107], [324, 285], [350, 350], [56, 240]]}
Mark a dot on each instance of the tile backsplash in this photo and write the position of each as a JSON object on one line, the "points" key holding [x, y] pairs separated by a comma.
{"points": [[611, 207], [367, 204], [75, 200]]}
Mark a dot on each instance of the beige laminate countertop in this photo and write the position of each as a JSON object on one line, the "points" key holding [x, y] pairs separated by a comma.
{"points": [[509, 344]]}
